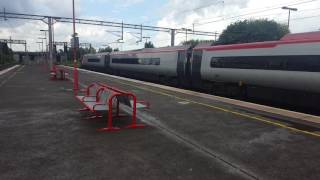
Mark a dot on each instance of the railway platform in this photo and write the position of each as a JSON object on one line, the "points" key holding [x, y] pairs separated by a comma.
{"points": [[188, 135]]}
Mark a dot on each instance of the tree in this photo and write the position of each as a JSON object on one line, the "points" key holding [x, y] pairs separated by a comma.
{"points": [[195, 42], [92, 50], [80, 52], [6, 54], [148, 45], [106, 49], [252, 31]]}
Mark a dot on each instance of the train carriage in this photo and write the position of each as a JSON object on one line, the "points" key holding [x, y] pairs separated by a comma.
{"points": [[149, 63], [290, 63], [286, 71], [99, 61]]}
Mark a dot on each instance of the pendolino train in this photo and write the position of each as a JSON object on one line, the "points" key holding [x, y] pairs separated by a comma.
{"points": [[286, 71]]}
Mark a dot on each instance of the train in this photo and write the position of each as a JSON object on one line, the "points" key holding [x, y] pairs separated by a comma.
{"points": [[286, 71]]}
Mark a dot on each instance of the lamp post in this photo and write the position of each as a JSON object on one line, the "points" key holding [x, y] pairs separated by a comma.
{"points": [[42, 38], [41, 42], [75, 71], [289, 9], [46, 43], [45, 37], [40, 46]]}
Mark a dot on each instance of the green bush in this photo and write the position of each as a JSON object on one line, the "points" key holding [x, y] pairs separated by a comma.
{"points": [[6, 55], [252, 31]]}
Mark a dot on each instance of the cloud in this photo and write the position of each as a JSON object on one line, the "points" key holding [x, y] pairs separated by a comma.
{"points": [[122, 3], [205, 15], [44, 7], [215, 16], [17, 28], [55, 8], [127, 3], [188, 13], [26, 6], [19, 33]]}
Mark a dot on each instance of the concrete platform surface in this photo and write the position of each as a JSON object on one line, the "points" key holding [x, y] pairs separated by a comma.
{"points": [[44, 137]]}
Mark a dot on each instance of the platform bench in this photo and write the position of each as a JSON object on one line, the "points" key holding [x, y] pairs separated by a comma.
{"points": [[89, 93], [54, 72], [100, 98]]}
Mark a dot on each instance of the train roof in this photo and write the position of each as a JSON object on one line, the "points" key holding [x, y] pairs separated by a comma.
{"points": [[287, 39], [95, 54], [153, 50], [302, 36]]}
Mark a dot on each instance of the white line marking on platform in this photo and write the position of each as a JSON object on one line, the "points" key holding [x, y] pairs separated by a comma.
{"points": [[8, 69], [11, 76]]}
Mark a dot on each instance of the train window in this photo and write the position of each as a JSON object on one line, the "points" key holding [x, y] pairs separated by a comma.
{"points": [[155, 61], [144, 61], [276, 63], [313, 63], [304, 63], [290, 63], [141, 61], [93, 60], [125, 60], [149, 61], [214, 62]]}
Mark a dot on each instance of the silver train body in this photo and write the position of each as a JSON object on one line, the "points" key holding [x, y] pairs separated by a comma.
{"points": [[95, 61], [292, 63], [158, 62], [305, 77]]}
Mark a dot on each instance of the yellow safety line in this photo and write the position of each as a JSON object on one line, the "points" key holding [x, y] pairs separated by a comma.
{"points": [[225, 110]]}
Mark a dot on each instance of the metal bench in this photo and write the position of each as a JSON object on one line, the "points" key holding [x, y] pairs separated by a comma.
{"points": [[90, 93], [55, 71], [100, 98], [125, 100]]}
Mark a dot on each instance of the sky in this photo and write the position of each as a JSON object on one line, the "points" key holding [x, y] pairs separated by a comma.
{"points": [[202, 15]]}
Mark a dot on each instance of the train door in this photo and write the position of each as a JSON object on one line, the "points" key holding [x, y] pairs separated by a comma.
{"points": [[184, 67], [181, 71], [107, 63], [196, 69], [188, 66], [180, 65]]}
